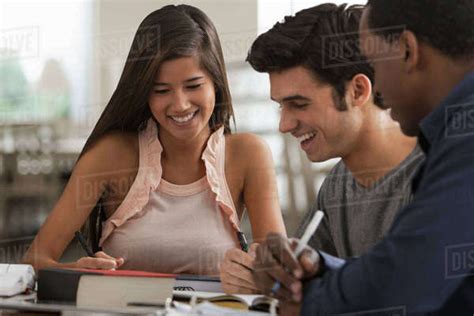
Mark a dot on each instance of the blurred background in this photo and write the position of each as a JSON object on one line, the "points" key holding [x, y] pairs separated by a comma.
{"points": [[60, 61]]}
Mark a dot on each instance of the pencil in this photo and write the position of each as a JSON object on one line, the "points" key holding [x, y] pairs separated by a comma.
{"points": [[80, 238]]}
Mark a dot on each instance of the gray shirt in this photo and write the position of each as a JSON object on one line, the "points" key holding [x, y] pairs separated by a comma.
{"points": [[356, 216]]}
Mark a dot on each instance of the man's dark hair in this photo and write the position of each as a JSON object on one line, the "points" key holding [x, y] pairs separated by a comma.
{"points": [[324, 39], [446, 25]]}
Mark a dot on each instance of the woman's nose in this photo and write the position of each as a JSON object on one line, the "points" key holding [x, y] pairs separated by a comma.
{"points": [[180, 102]]}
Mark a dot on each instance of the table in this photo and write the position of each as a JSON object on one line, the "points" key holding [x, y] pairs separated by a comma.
{"points": [[26, 305]]}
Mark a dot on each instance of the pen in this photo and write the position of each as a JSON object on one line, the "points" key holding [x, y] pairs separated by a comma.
{"points": [[242, 241], [309, 231], [83, 243]]}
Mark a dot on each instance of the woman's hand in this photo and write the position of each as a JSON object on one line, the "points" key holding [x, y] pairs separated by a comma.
{"points": [[236, 271], [101, 261]]}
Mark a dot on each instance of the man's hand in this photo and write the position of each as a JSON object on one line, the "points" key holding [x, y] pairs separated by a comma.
{"points": [[275, 262], [288, 308]]}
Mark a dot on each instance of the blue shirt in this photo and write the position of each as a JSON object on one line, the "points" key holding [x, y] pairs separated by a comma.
{"points": [[425, 264]]}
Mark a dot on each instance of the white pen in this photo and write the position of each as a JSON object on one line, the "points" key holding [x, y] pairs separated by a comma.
{"points": [[309, 231]]}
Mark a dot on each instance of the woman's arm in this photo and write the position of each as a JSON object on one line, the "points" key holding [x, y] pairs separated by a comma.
{"points": [[89, 180], [260, 196], [260, 189]]}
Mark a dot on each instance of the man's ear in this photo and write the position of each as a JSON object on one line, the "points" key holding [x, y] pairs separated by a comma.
{"points": [[359, 90], [410, 50]]}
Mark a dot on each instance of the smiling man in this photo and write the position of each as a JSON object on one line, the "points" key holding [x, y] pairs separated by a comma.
{"points": [[324, 88], [423, 55]]}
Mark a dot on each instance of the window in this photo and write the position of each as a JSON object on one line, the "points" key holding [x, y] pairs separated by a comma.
{"points": [[44, 60]]}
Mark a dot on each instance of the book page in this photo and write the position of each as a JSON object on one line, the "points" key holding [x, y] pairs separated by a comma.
{"points": [[108, 291], [247, 298]]}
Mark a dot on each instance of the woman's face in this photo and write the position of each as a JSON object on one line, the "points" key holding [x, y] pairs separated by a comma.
{"points": [[182, 99]]}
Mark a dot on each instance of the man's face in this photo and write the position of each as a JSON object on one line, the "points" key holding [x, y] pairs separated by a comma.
{"points": [[308, 112], [391, 81]]}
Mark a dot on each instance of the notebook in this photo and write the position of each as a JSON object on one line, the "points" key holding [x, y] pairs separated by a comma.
{"points": [[187, 282], [236, 301], [16, 278]]}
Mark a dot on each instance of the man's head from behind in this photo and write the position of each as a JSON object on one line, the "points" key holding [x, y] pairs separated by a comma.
{"points": [[319, 78], [415, 47]]}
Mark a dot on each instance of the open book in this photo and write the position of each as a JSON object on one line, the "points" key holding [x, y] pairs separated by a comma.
{"points": [[16, 278], [235, 301]]}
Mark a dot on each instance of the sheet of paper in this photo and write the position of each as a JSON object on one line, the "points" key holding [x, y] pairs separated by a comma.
{"points": [[16, 278]]}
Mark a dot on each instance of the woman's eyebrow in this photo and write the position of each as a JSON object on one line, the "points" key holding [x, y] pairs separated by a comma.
{"points": [[185, 81], [194, 78]]}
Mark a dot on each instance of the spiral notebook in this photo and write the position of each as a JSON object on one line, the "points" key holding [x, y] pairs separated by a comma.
{"points": [[186, 282]]}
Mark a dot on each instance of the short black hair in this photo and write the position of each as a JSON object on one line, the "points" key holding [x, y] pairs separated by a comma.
{"points": [[446, 25], [324, 39]]}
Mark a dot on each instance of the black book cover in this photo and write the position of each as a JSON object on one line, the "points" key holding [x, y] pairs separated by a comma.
{"points": [[59, 284]]}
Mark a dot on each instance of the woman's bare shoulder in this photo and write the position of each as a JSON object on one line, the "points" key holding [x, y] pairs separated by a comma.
{"points": [[245, 148], [246, 141], [115, 150]]}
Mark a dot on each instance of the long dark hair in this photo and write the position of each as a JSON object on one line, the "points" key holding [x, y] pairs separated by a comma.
{"points": [[165, 34]]}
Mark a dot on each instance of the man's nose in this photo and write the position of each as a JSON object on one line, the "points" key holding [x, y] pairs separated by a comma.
{"points": [[287, 121]]}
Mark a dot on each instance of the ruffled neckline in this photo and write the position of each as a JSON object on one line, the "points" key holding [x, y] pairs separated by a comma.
{"points": [[183, 189], [150, 174]]}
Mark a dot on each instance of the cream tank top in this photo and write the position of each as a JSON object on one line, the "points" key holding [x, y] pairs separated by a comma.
{"points": [[168, 228]]}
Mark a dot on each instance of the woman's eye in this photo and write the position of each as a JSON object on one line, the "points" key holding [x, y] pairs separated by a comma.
{"points": [[161, 91], [194, 86]]}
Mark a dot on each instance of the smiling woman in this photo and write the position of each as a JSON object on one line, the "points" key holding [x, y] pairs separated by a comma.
{"points": [[161, 178], [183, 99]]}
